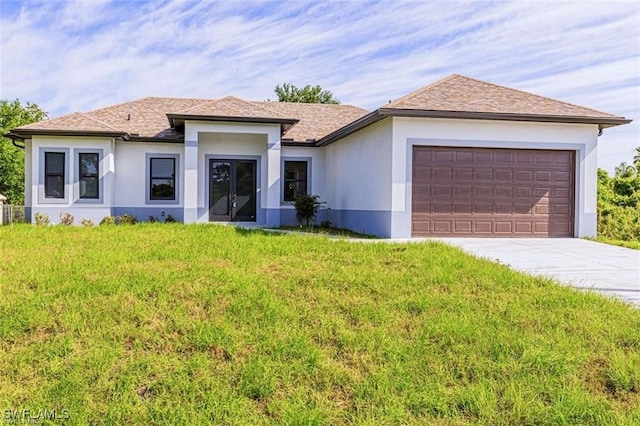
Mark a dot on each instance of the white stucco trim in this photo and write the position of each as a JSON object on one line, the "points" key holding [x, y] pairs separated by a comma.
{"points": [[574, 137], [269, 164]]}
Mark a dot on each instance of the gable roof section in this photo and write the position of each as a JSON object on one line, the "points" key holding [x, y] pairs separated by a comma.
{"points": [[458, 96], [231, 108], [458, 93]]}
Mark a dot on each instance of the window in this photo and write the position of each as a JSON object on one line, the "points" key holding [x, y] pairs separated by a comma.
{"points": [[54, 168], [162, 179], [295, 179], [88, 164]]}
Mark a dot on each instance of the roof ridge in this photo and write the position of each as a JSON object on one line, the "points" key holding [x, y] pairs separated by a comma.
{"points": [[310, 103], [281, 115], [204, 101], [422, 90]]}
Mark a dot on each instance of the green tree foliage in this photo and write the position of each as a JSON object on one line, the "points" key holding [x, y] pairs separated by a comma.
{"points": [[619, 203], [13, 114], [308, 94]]}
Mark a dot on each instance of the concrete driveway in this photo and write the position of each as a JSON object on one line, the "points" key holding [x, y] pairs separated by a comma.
{"points": [[611, 270]]}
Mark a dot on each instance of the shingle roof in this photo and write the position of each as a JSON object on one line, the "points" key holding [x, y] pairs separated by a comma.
{"points": [[456, 96], [147, 117], [464, 94], [316, 120], [232, 107]]}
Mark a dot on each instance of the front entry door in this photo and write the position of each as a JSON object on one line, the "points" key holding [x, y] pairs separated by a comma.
{"points": [[232, 190]]}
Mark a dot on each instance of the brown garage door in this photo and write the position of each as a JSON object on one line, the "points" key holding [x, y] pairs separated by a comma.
{"points": [[482, 192]]}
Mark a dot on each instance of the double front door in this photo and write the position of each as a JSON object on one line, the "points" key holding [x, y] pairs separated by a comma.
{"points": [[232, 190]]}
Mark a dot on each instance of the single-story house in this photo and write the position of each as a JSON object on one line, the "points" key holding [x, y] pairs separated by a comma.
{"points": [[460, 157]]}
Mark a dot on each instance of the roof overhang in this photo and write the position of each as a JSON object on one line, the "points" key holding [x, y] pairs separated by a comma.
{"points": [[177, 120], [380, 114], [22, 134], [602, 122]]}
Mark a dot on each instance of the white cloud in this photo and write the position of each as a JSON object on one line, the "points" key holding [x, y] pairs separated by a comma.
{"points": [[85, 54]]}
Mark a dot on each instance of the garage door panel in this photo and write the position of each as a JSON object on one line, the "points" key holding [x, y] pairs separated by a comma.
{"points": [[442, 226], [463, 156], [462, 191], [483, 156], [524, 176], [562, 177], [492, 192], [503, 175], [503, 192], [525, 157], [483, 175], [463, 174]]}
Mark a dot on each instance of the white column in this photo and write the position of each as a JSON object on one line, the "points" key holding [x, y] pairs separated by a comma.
{"points": [[190, 183], [273, 178]]}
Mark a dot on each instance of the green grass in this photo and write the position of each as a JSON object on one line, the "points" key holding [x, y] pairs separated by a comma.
{"points": [[622, 243], [175, 324], [328, 230]]}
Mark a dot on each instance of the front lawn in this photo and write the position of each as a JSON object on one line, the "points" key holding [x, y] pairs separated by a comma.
{"points": [[179, 324]]}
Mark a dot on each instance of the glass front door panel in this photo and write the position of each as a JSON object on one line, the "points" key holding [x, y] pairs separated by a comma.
{"points": [[245, 194], [220, 190], [232, 194]]}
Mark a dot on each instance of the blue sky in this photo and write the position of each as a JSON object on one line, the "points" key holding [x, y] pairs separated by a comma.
{"points": [[80, 55]]}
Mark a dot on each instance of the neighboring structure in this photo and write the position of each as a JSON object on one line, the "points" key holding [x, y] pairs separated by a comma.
{"points": [[460, 157]]}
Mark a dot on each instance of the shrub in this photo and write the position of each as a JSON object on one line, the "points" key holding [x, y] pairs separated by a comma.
{"points": [[153, 219], [170, 219], [66, 219], [42, 219], [108, 220], [127, 219], [307, 208], [87, 222], [619, 204]]}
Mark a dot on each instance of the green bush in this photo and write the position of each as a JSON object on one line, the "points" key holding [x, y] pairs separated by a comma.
{"points": [[619, 204], [127, 219], [108, 220], [307, 207]]}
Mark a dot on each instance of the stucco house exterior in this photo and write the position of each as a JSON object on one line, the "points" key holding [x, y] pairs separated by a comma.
{"points": [[460, 157]]}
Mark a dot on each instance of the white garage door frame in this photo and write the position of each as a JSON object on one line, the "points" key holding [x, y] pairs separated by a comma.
{"points": [[403, 219]]}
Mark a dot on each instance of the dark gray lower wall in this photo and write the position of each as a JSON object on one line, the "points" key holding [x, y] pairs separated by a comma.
{"points": [[365, 221], [373, 222], [288, 217]]}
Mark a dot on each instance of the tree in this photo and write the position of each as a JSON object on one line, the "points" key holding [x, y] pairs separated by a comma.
{"points": [[636, 158], [625, 170], [13, 114], [307, 94]]}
